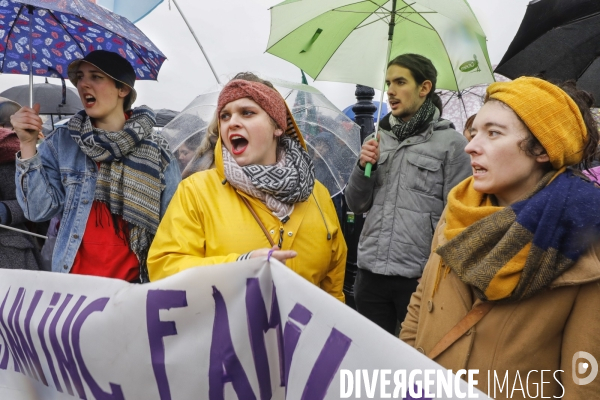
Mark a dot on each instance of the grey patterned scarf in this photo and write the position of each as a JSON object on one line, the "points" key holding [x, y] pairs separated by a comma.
{"points": [[130, 178], [280, 185], [404, 130]]}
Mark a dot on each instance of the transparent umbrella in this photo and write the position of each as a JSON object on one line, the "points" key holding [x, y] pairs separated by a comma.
{"points": [[333, 139], [186, 130], [460, 105]]}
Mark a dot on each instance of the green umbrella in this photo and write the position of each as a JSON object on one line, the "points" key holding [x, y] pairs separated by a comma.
{"points": [[353, 40], [350, 41]]}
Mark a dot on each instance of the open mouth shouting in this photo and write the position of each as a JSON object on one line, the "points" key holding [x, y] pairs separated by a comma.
{"points": [[89, 100], [238, 144]]}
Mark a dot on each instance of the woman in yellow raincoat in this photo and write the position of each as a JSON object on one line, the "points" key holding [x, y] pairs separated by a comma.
{"points": [[261, 197]]}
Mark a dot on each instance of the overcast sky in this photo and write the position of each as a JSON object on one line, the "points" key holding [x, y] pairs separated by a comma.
{"points": [[234, 34]]}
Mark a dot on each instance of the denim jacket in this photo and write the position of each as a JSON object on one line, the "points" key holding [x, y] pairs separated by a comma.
{"points": [[61, 179]]}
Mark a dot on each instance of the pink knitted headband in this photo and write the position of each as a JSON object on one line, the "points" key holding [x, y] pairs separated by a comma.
{"points": [[268, 99]]}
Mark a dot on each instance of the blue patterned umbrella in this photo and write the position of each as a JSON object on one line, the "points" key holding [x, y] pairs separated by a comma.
{"points": [[41, 37]]}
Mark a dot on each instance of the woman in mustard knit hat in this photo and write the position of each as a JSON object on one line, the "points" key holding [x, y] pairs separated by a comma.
{"points": [[512, 286]]}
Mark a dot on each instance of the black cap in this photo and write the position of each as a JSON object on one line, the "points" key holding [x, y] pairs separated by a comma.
{"points": [[112, 64]]}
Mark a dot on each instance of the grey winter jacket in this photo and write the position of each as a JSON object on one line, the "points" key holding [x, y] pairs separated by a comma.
{"points": [[405, 196]]}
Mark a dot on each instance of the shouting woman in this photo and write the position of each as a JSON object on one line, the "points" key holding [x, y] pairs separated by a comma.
{"points": [[108, 174], [261, 197]]}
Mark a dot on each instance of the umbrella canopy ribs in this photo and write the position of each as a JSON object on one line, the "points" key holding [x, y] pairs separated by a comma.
{"points": [[352, 41]]}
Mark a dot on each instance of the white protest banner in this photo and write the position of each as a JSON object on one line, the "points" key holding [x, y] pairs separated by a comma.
{"points": [[246, 330]]}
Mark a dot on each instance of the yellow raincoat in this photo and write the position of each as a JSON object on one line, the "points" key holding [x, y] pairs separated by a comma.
{"points": [[207, 223]]}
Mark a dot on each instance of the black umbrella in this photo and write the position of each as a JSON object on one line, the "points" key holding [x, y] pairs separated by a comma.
{"points": [[164, 116], [53, 99], [557, 40]]}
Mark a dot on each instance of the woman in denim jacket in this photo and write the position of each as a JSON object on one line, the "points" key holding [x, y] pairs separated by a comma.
{"points": [[108, 174]]}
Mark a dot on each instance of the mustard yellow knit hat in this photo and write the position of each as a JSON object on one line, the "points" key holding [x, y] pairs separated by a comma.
{"points": [[549, 113]]}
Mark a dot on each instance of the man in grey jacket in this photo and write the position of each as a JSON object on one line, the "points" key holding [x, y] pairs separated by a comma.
{"points": [[417, 159]]}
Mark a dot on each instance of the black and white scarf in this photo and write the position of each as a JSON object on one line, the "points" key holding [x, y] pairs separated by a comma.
{"points": [[290, 180], [404, 130], [131, 174]]}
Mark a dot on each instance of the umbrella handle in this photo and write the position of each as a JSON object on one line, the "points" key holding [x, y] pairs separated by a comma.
{"points": [[31, 9], [369, 166], [392, 24]]}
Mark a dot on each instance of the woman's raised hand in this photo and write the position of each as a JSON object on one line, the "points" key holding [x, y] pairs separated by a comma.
{"points": [[27, 124], [279, 255]]}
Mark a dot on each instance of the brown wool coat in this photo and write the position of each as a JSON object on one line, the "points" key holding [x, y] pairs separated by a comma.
{"points": [[540, 333]]}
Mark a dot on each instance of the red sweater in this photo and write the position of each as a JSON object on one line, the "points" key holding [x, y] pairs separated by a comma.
{"points": [[102, 252]]}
